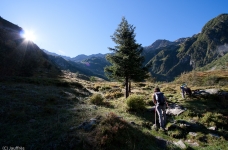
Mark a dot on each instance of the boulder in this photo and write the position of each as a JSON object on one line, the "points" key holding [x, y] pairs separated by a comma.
{"points": [[180, 144], [175, 109]]}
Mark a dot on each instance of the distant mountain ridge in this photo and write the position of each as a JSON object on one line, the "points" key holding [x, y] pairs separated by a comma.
{"points": [[168, 59], [163, 43], [83, 57], [77, 58], [77, 67], [90, 65]]}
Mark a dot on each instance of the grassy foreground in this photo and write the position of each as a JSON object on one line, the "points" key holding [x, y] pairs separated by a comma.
{"points": [[44, 113]]}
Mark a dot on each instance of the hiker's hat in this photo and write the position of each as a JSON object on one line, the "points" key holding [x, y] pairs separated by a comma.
{"points": [[184, 84]]}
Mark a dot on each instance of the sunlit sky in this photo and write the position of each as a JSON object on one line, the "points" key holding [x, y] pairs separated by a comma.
{"points": [[73, 27]]}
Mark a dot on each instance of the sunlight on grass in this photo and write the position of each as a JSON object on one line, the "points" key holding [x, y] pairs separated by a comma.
{"points": [[57, 107]]}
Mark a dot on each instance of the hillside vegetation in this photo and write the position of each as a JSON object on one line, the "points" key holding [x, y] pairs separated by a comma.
{"points": [[217, 64], [45, 113]]}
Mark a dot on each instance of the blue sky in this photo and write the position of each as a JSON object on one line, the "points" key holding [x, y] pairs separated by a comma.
{"points": [[73, 27]]}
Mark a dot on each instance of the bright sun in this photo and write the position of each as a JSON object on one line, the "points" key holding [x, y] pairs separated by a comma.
{"points": [[29, 35]]}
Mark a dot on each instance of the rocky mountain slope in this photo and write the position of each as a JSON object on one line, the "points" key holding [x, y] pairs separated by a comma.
{"points": [[193, 52]]}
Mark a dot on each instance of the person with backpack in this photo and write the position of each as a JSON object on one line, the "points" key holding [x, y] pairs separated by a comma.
{"points": [[160, 102], [182, 88]]}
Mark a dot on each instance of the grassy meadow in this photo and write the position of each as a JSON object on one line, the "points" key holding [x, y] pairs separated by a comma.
{"points": [[59, 113]]}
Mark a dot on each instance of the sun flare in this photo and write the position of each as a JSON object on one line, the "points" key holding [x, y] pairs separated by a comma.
{"points": [[29, 35]]}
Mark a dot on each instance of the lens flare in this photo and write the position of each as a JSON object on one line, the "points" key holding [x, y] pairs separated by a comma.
{"points": [[28, 35]]}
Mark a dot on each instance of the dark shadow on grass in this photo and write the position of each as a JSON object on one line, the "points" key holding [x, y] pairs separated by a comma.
{"points": [[37, 113], [203, 104], [115, 133]]}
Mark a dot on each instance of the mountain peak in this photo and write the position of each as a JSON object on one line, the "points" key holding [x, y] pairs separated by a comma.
{"points": [[158, 44], [180, 40]]}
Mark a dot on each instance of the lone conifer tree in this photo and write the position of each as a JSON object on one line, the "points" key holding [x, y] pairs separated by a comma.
{"points": [[127, 60]]}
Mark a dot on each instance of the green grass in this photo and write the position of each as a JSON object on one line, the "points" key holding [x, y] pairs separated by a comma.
{"points": [[43, 113], [34, 113]]}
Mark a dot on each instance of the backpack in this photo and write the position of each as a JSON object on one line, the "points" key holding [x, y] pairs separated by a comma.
{"points": [[159, 98], [188, 91]]}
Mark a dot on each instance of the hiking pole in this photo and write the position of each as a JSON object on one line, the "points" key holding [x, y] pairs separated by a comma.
{"points": [[154, 127], [155, 116]]}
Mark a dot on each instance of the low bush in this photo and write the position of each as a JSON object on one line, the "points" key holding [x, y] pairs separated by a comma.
{"points": [[114, 132], [104, 88], [176, 132], [109, 130], [135, 102], [141, 84], [96, 99], [96, 88], [112, 95], [213, 119], [170, 90]]}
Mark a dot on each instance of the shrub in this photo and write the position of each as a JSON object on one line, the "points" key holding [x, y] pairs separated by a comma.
{"points": [[135, 102], [96, 99], [213, 119], [110, 130], [211, 80], [170, 90], [176, 132], [92, 79], [113, 132], [146, 88], [112, 95], [206, 119], [96, 88], [104, 88], [141, 84]]}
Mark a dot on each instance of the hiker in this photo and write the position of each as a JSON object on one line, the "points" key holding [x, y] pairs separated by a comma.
{"points": [[182, 88], [161, 103], [185, 90], [188, 91]]}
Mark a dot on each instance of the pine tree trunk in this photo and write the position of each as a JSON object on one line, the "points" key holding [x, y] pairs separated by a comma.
{"points": [[129, 90], [126, 87]]}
